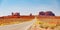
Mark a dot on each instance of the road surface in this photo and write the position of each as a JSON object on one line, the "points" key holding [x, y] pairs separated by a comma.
{"points": [[20, 26]]}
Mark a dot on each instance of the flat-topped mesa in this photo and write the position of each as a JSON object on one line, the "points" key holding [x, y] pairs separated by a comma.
{"points": [[47, 13], [13, 15], [16, 14]]}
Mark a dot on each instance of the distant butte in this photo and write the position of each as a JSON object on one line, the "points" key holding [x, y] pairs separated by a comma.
{"points": [[17, 15], [47, 13]]}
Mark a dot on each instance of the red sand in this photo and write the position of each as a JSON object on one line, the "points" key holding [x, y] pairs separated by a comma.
{"points": [[8, 19]]}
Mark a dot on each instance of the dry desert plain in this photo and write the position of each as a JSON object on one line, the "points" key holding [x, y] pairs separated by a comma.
{"points": [[12, 20], [46, 23], [41, 23]]}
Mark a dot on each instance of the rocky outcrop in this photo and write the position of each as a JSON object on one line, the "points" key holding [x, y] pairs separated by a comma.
{"points": [[47, 13]]}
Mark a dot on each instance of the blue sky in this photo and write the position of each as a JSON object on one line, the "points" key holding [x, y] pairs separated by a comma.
{"points": [[25, 7]]}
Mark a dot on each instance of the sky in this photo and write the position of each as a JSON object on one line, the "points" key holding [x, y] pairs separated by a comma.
{"points": [[25, 7]]}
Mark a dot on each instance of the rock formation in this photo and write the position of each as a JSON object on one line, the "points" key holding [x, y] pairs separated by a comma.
{"points": [[47, 13]]}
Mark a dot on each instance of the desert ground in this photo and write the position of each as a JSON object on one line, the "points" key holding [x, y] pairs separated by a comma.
{"points": [[40, 23]]}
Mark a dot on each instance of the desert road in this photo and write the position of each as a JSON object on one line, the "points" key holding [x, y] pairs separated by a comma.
{"points": [[20, 26]]}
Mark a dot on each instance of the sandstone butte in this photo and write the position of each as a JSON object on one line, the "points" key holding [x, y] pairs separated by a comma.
{"points": [[11, 19]]}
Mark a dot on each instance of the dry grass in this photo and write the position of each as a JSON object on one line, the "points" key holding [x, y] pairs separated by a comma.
{"points": [[46, 23]]}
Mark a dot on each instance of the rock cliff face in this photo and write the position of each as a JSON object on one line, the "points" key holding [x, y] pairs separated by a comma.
{"points": [[47, 13], [16, 14], [42, 13]]}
